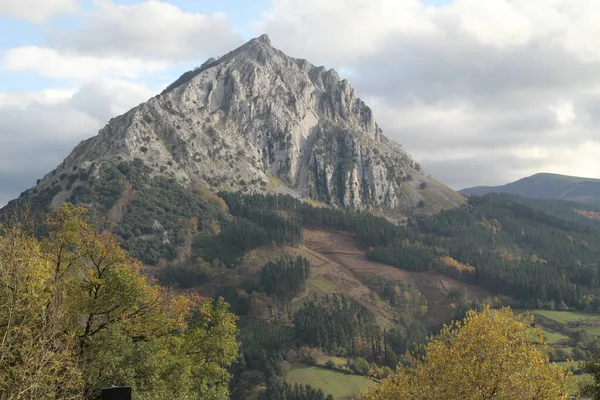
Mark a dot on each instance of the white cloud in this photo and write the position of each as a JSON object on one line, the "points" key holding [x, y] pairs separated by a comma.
{"points": [[152, 29], [37, 10], [24, 99], [564, 112], [497, 23], [54, 64], [342, 30], [106, 98], [480, 91], [45, 126]]}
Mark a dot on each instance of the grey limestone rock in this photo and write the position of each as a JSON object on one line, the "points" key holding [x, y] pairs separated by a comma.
{"points": [[257, 120]]}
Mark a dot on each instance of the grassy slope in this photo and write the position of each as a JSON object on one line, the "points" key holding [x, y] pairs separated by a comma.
{"points": [[340, 385], [554, 338], [567, 316]]}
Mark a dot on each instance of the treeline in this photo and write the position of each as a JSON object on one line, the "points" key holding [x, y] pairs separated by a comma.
{"points": [[278, 389], [368, 230], [240, 235], [264, 345], [411, 258], [518, 250], [339, 325], [283, 279]]}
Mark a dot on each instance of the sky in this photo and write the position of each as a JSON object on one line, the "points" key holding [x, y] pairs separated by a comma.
{"points": [[479, 92]]}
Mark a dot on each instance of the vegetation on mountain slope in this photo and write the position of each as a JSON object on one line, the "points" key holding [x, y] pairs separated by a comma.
{"points": [[527, 253]]}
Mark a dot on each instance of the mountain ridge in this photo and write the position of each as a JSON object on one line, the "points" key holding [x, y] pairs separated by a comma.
{"points": [[546, 186]]}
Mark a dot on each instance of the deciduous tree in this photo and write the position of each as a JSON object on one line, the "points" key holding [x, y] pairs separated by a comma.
{"points": [[77, 314], [489, 355]]}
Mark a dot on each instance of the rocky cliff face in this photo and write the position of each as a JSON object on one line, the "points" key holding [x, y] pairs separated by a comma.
{"points": [[258, 120]]}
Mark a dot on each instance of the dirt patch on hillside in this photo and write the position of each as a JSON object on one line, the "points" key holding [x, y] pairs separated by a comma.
{"points": [[117, 211], [339, 248]]}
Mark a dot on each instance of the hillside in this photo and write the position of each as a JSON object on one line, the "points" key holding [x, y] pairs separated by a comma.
{"points": [[546, 186], [264, 180]]}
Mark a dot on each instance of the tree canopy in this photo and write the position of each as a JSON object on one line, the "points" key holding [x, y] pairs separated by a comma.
{"points": [[77, 314], [488, 355]]}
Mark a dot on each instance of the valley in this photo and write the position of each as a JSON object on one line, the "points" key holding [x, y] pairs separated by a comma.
{"points": [[258, 190]]}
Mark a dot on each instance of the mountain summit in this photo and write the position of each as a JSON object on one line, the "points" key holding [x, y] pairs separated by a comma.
{"points": [[257, 120]]}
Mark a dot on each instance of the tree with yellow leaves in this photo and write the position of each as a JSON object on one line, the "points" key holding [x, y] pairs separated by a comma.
{"points": [[76, 314], [488, 355]]}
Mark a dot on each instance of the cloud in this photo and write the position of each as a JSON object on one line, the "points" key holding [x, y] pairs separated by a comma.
{"points": [[480, 92], [45, 126], [342, 31], [99, 100], [37, 10], [151, 30], [54, 64], [104, 56]]}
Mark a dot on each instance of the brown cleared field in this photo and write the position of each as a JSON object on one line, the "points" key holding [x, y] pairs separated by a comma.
{"points": [[336, 257]]}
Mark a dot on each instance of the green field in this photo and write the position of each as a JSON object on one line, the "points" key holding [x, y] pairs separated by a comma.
{"points": [[592, 330], [554, 338], [339, 361], [567, 316], [340, 385]]}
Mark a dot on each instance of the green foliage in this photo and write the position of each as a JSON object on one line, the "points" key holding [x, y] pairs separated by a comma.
{"points": [[77, 314], [278, 389], [592, 366], [238, 299], [411, 258], [284, 278], [338, 324], [516, 249], [368, 229], [185, 275]]}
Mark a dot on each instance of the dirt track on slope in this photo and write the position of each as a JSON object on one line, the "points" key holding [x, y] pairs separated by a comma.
{"points": [[346, 259]]}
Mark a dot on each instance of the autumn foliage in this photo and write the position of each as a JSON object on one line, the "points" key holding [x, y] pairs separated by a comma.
{"points": [[76, 314], [450, 266], [489, 355]]}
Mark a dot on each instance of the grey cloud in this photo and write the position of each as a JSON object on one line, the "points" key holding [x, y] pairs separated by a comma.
{"points": [[35, 139], [104, 99], [149, 30], [456, 101], [30, 161], [435, 70], [495, 169]]}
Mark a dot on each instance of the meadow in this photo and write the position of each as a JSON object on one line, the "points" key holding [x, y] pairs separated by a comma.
{"points": [[341, 386]]}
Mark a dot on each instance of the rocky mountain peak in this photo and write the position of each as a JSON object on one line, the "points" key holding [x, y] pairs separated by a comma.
{"points": [[264, 38], [256, 119]]}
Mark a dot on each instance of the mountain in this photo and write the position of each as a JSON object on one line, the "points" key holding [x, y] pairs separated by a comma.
{"points": [[258, 120], [247, 179], [546, 186]]}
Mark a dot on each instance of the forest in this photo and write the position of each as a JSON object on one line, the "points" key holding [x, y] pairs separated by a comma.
{"points": [[526, 253]]}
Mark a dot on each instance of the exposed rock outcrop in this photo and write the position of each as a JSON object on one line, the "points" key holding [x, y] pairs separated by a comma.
{"points": [[256, 119]]}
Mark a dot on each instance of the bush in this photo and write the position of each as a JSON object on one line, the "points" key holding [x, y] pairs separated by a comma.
{"points": [[360, 366], [330, 364]]}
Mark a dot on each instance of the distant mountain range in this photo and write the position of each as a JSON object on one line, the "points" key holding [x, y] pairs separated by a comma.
{"points": [[546, 186]]}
